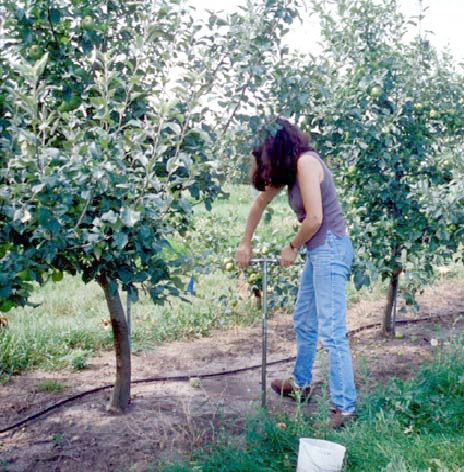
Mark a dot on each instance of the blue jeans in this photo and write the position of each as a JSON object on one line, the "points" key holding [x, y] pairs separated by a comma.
{"points": [[320, 310]]}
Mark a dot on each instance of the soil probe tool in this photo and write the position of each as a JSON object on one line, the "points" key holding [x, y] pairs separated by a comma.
{"points": [[264, 263]]}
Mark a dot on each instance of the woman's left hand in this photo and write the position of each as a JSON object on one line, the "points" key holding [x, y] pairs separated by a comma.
{"points": [[287, 256]]}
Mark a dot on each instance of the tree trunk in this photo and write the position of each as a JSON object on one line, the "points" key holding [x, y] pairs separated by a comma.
{"points": [[388, 325], [120, 398]]}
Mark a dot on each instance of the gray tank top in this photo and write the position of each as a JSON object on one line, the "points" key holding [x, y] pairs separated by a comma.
{"points": [[332, 214]]}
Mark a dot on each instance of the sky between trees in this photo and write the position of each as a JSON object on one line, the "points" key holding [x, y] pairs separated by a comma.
{"points": [[442, 23]]}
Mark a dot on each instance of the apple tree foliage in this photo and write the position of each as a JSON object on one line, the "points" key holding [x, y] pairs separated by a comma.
{"points": [[113, 114], [394, 115]]}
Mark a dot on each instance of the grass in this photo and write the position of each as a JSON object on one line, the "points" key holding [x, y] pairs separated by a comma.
{"points": [[50, 386], [65, 322], [406, 426], [70, 323], [415, 425]]}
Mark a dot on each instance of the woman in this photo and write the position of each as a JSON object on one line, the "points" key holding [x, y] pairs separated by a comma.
{"points": [[286, 159]]}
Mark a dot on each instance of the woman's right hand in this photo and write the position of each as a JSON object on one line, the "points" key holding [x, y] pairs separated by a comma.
{"points": [[243, 255]]}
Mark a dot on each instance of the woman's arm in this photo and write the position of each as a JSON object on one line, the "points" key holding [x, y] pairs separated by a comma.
{"points": [[309, 174], [243, 254]]}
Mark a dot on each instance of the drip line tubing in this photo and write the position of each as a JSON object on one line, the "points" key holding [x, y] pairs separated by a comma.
{"points": [[186, 378]]}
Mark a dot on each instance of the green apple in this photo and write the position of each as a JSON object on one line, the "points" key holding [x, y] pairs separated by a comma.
{"points": [[35, 52], [195, 382], [253, 278], [57, 276], [433, 113], [376, 91], [418, 106], [87, 23], [265, 250]]}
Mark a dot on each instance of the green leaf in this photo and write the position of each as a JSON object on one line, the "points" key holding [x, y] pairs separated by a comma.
{"points": [[6, 305], [95, 151], [19, 14], [145, 233], [121, 239], [171, 164], [174, 127], [110, 216], [129, 217], [125, 275], [26, 275], [361, 279], [39, 66], [55, 15]]}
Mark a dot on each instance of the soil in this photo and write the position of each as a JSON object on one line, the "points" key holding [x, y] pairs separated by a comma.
{"points": [[168, 421]]}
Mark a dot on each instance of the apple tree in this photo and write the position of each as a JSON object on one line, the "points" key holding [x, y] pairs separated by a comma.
{"points": [[394, 114], [108, 137]]}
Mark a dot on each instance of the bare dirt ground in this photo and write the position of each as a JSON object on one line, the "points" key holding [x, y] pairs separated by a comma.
{"points": [[169, 420]]}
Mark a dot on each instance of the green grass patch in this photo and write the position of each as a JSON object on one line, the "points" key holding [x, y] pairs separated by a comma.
{"points": [[49, 386], [67, 320], [406, 426], [71, 322], [194, 317]]}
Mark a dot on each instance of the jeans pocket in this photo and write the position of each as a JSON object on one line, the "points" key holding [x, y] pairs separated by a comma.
{"points": [[348, 252], [344, 250]]}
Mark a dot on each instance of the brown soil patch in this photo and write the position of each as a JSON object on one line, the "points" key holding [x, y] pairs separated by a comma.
{"points": [[169, 420]]}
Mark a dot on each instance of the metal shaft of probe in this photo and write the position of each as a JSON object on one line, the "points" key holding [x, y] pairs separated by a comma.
{"points": [[264, 335], [264, 263]]}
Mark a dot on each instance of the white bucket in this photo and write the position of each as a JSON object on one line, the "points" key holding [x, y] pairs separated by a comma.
{"points": [[317, 455]]}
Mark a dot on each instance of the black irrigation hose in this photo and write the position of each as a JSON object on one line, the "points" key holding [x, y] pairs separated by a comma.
{"points": [[185, 378]]}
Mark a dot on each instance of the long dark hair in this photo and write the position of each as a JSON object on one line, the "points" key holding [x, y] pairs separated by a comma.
{"points": [[276, 157]]}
